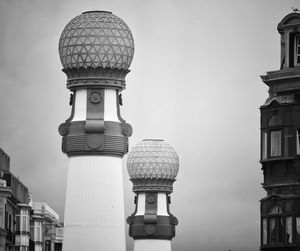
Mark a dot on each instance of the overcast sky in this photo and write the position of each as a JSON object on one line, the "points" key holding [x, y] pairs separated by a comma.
{"points": [[194, 82]]}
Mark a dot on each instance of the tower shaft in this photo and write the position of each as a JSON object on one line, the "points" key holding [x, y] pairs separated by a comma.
{"points": [[94, 207]]}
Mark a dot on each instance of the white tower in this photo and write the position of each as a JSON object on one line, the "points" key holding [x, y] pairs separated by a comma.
{"points": [[96, 49], [152, 166]]}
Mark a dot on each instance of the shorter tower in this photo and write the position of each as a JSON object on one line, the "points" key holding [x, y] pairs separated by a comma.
{"points": [[152, 166]]}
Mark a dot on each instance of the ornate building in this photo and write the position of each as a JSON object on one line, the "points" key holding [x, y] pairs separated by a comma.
{"points": [[280, 145], [46, 228], [25, 225]]}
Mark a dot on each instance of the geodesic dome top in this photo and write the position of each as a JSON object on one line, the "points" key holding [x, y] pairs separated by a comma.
{"points": [[96, 39], [153, 159]]}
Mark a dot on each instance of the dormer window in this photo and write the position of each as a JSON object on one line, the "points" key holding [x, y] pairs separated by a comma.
{"points": [[297, 50]]}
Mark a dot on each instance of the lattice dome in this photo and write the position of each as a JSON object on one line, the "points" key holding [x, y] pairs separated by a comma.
{"points": [[153, 159], [96, 39]]}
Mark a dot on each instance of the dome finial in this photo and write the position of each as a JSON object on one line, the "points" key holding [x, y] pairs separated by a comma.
{"points": [[96, 49], [152, 166]]}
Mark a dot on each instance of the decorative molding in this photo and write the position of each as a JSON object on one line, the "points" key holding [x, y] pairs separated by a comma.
{"points": [[77, 141], [287, 99]]}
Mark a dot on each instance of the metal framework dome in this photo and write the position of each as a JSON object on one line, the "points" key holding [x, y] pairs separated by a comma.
{"points": [[152, 165], [96, 39]]}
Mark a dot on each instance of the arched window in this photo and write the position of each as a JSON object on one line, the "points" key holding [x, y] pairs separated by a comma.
{"points": [[275, 121], [275, 210], [278, 139]]}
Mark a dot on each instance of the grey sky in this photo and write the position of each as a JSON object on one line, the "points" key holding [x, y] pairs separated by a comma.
{"points": [[194, 82]]}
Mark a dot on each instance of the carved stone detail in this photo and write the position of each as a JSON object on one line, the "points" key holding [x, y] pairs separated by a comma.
{"points": [[95, 97], [63, 129]]}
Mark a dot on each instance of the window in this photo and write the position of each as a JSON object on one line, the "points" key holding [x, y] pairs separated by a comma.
{"points": [[21, 248], [2, 241], [2, 213], [47, 246], [9, 222], [297, 50], [275, 120], [275, 143], [6, 219], [25, 221], [298, 141], [264, 142], [264, 232], [22, 221], [275, 210], [18, 223], [298, 225], [288, 230], [288, 141], [276, 230], [38, 231]]}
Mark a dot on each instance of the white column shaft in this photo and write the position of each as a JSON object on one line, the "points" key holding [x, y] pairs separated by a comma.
{"points": [[94, 211]]}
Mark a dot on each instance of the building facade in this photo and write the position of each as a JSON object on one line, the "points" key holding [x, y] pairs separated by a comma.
{"points": [[280, 145], [25, 225]]}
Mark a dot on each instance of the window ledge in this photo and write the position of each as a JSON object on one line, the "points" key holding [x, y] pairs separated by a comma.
{"points": [[280, 158], [270, 246], [286, 73]]}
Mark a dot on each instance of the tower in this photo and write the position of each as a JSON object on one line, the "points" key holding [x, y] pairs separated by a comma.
{"points": [[152, 166], [96, 49], [280, 145]]}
